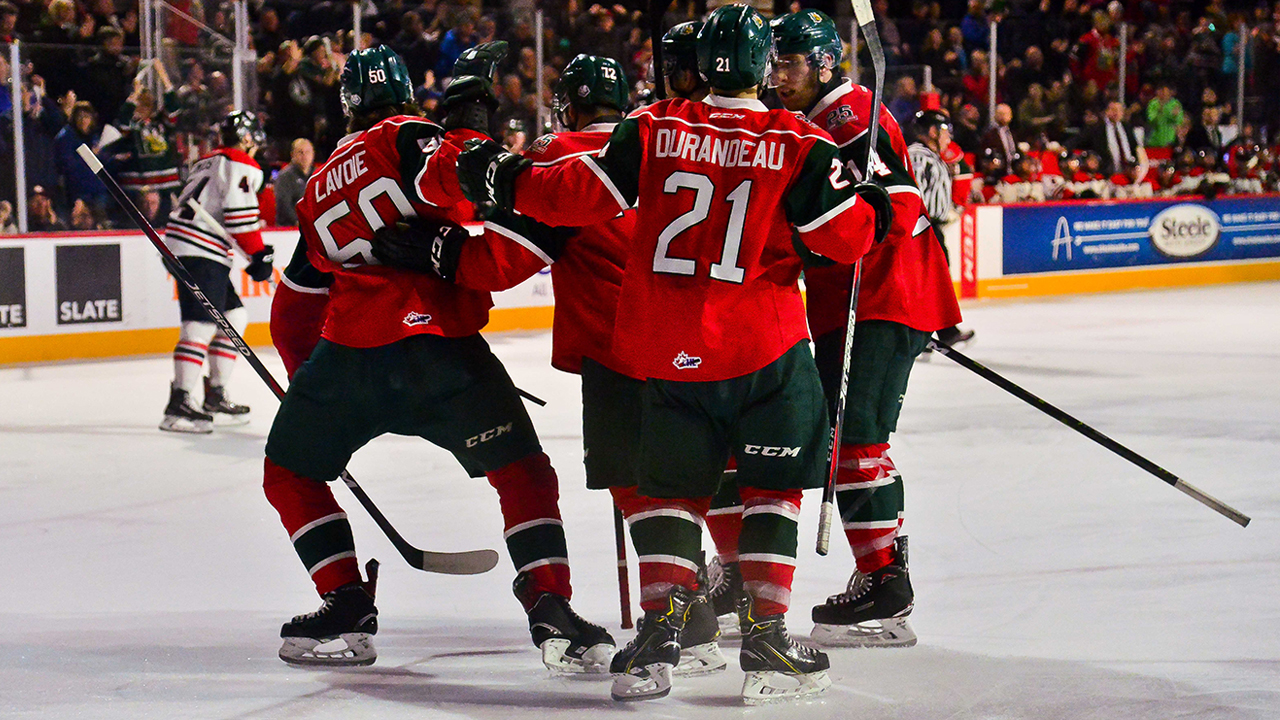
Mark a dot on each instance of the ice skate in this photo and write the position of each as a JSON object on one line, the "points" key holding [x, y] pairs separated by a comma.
{"points": [[642, 669], [699, 650], [955, 337], [340, 633], [777, 667], [224, 411], [181, 415], [724, 587], [873, 611], [568, 643]]}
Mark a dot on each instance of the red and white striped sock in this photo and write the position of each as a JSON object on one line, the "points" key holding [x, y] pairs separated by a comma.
{"points": [[767, 548], [869, 495], [667, 534]]}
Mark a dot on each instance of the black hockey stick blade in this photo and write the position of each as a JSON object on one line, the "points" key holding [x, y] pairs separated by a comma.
{"points": [[657, 9], [464, 563], [1061, 416]]}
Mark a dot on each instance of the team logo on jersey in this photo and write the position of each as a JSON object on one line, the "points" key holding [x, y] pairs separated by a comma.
{"points": [[685, 361], [541, 144], [417, 318], [839, 116]]}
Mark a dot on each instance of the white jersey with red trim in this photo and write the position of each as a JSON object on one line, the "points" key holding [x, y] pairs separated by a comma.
{"points": [[225, 183]]}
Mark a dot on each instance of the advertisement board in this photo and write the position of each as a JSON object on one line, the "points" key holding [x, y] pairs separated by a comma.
{"points": [[13, 287], [1090, 236]]}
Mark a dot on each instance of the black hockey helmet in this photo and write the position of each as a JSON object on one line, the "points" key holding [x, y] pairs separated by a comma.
{"points": [[926, 119], [241, 125]]}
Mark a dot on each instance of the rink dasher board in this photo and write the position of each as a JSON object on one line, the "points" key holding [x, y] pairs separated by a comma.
{"points": [[1055, 248], [69, 296]]}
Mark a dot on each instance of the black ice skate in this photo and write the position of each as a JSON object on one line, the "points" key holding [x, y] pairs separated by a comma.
{"points": [[347, 616], [724, 588], [642, 669], [569, 644], [221, 408], [777, 667], [873, 611], [955, 337], [181, 415], [699, 647]]}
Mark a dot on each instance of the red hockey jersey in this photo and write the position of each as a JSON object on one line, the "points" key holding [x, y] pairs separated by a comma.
{"points": [[586, 268], [401, 167], [710, 290], [905, 279]]}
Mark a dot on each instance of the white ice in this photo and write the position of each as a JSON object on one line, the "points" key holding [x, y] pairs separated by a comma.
{"points": [[145, 576]]}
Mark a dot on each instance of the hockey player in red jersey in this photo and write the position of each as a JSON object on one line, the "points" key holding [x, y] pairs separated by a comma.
{"points": [[590, 98], [401, 353], [906, 295], [710, 314], [216, 215]]}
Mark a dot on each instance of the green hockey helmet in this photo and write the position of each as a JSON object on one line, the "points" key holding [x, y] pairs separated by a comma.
{"points": [[680, 48], [810, 33], [735, 48], [374, 78], [591, 81]]}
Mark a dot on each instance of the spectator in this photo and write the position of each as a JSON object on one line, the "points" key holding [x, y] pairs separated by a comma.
{"points": [[1164, 117], [415, 45], [83, 218], [1097, 54], [105, 78], [965, 129], [292, 181], [146, 156], [455, 41], [1000, 137], [906, 98], [40, 214], [1023, 72], [41, 122], [79, 182], [1122, 154], [1206, 134], [1034, 114], [8, 221], [975, 27], [8, 22], [151, 205], [268, 34]]}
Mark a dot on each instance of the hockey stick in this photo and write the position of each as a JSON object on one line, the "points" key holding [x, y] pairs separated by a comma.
{"points": [[867, 25], [464, 563], [657, 9], [1009, 386], [210, 221], [624, 581]]}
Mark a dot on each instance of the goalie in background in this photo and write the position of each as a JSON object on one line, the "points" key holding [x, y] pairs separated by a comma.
{"points": [[216, 214]]}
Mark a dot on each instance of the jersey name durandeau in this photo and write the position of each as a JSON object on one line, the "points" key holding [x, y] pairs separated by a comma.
{"points": [[725, 153]]}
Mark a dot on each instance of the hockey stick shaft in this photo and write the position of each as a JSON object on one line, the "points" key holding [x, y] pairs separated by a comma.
{"points": [[451, 563], [1061, 416], [624, 580], [657, 9], [867, 25]]}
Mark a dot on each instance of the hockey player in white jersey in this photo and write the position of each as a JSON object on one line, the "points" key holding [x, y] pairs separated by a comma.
{"points": [[216, 214]]}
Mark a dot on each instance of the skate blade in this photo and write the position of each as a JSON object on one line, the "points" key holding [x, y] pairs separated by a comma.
{"points": [[172, 423], [768, 686], [729, 625], [594, 660], [888, 633], [225, 420], [646, 683], [701, 660], [347, 650]]}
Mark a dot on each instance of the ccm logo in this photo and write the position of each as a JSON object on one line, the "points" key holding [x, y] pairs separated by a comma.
{"points": [[766, 451], [488, 435]]}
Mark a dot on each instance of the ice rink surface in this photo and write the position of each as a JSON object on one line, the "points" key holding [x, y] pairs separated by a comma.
{"points": [[145, 576]]}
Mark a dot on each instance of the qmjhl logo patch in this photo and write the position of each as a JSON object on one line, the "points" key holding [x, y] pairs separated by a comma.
{"points": [[685, 361], [417, 318]]}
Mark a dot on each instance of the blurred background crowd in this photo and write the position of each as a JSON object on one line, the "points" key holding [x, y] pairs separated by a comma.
{"points": [[1066, 121]]}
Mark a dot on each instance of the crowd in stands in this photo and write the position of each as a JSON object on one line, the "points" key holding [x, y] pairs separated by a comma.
{"points": [[1059, 130]]}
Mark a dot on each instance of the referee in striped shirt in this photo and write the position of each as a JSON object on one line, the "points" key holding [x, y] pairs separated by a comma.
{"points": [[932, 132]]}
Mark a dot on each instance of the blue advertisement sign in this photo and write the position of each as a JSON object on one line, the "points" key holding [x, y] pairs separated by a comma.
{"points": [[1086, 236]]}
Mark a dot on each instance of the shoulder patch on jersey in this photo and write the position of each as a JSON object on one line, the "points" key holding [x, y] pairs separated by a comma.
{"points": [[839, 116], [541, 144]]}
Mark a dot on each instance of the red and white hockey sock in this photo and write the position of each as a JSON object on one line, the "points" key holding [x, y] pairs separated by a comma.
{"points": [[317, 526], [724, 518], [767, 548], [869, 496], [222, 352], [529, 493], [667, 534], [189, 354]]}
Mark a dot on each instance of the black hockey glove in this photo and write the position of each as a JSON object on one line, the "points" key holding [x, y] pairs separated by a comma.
{"points": [[468, 101], [878, 199], [421, 245], [259, 267], [487, 173]]}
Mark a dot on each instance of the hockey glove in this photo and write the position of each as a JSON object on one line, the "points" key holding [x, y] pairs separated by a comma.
{"points": [[487, 173], [259, 267], [469, 101], [421, 245], [878, 198]]}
